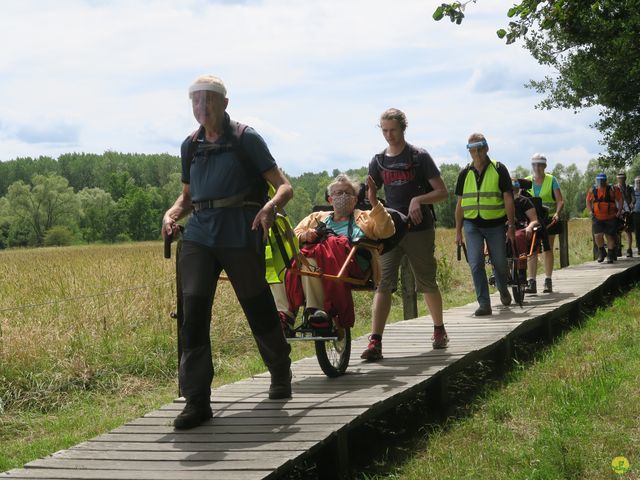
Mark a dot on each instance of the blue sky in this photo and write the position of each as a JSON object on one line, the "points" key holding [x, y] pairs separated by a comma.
{"points": [[311, 77]]}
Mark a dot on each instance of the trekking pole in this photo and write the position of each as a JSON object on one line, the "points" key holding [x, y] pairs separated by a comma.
{"points": [[167, 246], [463, 247], [168, 239]]}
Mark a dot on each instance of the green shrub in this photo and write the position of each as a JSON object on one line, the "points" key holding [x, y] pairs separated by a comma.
{"points": [[58, 236]]}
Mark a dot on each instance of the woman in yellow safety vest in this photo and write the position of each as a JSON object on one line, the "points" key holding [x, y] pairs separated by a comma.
{"points": [[545, 186], [485, 204]]}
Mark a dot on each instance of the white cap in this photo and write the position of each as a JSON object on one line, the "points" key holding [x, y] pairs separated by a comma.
{"points": [[209, 83], [538, 158]]}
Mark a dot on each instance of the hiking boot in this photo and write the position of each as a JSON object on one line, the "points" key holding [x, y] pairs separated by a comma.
{"points": [[611, 257], [195, 412], [287, 323], [548, 286], [373, 352], [505, 298], [439, 338], [602, 253], [629, 253], [483, 311], [280, 386], [531, 287], [492, 280]]}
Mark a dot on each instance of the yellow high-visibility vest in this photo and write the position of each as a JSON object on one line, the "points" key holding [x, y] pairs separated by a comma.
{"points": [[487, 202], [546, 192]]}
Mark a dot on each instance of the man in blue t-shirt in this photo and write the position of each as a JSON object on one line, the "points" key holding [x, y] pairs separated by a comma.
{"points": [[412, 183], [225, 167]]}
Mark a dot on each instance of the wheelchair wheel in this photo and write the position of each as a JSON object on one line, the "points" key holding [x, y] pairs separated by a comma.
{"points": [[518, 285], [333, 355]]}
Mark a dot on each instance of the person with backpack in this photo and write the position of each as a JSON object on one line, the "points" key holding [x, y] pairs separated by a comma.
{"points": [[636, 211], [485, 203], [547, 187], [626, 221], [226, 168], [412, 184], [604, 202]]}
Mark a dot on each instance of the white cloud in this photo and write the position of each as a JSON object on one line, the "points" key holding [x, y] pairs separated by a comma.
{"points": [[311, 77]]}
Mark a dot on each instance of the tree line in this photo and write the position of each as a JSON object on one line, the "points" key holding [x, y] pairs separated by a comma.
{"points": [[115, 197]]}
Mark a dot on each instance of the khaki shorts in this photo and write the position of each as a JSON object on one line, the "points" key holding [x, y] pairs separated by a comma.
{"points": [[419, 247]]}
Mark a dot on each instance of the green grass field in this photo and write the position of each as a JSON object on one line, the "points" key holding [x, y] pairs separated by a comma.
{"points": [[567, 415], [86, 340]]}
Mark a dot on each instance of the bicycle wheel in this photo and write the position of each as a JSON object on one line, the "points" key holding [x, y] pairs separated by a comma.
{"points": [[518, 287], [333, 355]]}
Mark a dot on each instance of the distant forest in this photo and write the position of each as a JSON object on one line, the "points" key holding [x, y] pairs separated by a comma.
{"points": [[116, 197]]}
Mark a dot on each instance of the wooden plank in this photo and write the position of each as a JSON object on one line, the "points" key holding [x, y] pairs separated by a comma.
{"points": [[181, 455], [274, 414], [258, 464], [44, 474], [179, 436], [195, 447], [271, 420], [214, 429]]}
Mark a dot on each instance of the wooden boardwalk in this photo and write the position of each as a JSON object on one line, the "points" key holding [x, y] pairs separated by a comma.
{"points": [[252, 437]]}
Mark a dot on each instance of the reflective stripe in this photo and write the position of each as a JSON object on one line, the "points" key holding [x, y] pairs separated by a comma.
{"points": [[483, 207], [482, 194]]}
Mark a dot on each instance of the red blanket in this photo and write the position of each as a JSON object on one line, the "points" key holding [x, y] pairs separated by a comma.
{"points": [[330, 255]]}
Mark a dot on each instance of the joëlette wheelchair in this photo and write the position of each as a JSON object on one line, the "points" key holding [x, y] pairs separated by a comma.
{"points": [[332, 343], [517, 257]]}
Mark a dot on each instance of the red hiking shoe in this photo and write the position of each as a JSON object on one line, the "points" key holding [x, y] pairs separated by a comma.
{"points": [[373, 352]]}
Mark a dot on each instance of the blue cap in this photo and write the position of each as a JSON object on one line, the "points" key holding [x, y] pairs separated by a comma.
{"points": [[601, 177]]}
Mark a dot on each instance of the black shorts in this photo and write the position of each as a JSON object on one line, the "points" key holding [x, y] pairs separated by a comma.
{"points": [[608, 227]]}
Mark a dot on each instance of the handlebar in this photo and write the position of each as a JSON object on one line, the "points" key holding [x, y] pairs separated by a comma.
{"points": [[168, 239]]}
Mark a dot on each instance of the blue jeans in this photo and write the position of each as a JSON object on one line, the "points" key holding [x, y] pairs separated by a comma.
{"points": [[496, 241]]}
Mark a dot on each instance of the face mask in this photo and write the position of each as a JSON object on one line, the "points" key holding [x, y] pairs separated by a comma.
{"points": [[343, 205]]}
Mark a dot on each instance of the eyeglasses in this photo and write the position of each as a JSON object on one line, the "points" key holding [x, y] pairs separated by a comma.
{"points": [[340, 194]]}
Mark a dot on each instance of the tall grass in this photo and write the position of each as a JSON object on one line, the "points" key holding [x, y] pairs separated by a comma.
{"points": [[93, 322]]}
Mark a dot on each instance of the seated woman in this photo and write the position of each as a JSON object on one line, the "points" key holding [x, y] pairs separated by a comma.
{"points": [[327, 299]]}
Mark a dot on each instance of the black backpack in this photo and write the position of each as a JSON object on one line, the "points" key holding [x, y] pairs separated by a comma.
{"points": [[258, 192], [415, 165]]}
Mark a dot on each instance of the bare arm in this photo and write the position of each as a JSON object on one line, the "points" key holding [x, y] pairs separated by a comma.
{"points": [[589, 205], [459, 219], [532, 218], [559, 202], [438, 194], [180, 209], [510, 208], [284, 193]]}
